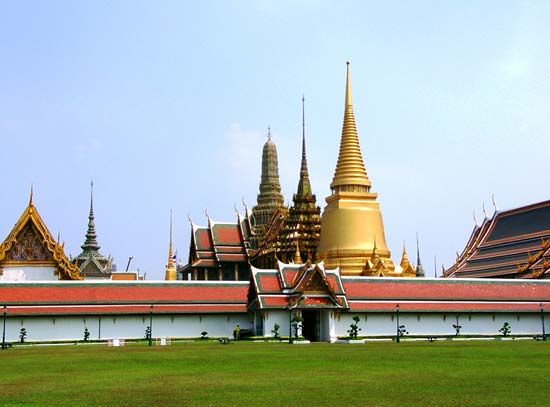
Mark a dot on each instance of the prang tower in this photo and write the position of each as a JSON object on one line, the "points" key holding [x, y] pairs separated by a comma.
{"points": [[270, 198], [351, 225]]}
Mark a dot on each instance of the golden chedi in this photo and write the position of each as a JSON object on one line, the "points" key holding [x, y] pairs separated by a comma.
{"points": [[352, 230]]}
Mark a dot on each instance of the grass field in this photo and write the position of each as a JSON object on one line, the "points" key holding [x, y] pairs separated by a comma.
{"points": [[476, 373]]}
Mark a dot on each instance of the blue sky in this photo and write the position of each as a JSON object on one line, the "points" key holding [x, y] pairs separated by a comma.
{"points": [[166, 105]]}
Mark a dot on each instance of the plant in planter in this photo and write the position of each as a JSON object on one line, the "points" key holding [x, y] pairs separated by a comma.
{"points": [[275, 331], [204, 335], [506, 329], [402, 331], [86, 334], [22, 335], [354, 328], [457, 329], [148, 333]]}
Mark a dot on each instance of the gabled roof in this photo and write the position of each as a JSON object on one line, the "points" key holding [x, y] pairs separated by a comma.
{"points": [[510, 244], [31, 221], [297, 286], [219, 242]]}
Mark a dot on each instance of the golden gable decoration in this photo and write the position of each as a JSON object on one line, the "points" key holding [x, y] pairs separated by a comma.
{"points": [[31, 242]]}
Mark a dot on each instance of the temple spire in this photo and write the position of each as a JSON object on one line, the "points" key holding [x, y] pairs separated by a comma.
{"points": [[350, 168], [304, 186], [170, 265], [90, 244], [170, 248], [419, 269], [30, 196]]}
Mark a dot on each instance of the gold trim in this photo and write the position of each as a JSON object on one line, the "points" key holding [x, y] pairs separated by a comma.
{"points": [[69, 271]]}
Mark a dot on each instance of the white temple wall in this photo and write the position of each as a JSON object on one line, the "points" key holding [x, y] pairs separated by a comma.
{"points": [[333, 325], [28, 273], [385, 324], [273, 317], [50, 328]]}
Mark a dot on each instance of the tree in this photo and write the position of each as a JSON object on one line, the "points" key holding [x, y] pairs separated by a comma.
{"points": [[86, 334], [204, 335], [354, 328], [506, 329], [402, 331], [148, 333], [22, 335], [275, 331]]}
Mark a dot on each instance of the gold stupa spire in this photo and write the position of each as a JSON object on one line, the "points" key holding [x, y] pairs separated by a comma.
{"points": [[350, 174], [404, 258], [170, 266]]}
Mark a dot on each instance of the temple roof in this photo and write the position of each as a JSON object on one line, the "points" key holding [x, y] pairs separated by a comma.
{"points": [[297, 286], [90, 261], [219, 242], [511, 244], [28, 225]]}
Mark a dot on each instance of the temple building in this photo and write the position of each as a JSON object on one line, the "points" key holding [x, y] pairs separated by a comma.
{"points": [[510, 244], [30, 253], [270, 198], [90, 261], [352, 230], [293, 235], [219, 251]]}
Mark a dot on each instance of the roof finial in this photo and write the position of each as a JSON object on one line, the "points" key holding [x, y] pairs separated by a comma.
{"points": [[475, 220], [30, 196], [493, 200], [484, 213], [268, 132]]}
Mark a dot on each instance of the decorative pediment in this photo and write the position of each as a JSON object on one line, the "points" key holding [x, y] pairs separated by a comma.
{"points": [[31, 241]]}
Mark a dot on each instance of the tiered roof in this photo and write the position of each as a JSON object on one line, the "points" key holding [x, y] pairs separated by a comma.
{"points": [[90, 261], [297, 286], [510, 244], [220, 242]]}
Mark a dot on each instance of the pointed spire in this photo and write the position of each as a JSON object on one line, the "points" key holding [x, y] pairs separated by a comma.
{"points": [[170, 265], [268, 133], [375, 257], [30, 196], [90, 244], [304, 186], [404, 258], [350, 168], [170, 248], [419, 269], [297, 255]]}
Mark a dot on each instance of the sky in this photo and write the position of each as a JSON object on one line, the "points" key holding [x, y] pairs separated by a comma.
{"points": [[166, 104]]}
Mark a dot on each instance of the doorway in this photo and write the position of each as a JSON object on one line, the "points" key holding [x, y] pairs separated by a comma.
{"points": [[311, 325]]}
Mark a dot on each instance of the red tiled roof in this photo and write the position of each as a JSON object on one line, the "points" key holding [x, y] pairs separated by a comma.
{"points": [[445, 289], [226, 234], [124, 293], [267, 282], [203, 240], [366, 306]]}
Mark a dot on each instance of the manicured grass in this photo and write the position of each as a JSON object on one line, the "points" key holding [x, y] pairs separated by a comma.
{"points": [[476, 373]]}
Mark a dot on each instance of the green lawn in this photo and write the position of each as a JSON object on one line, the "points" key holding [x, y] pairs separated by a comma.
{"points": [[476, 373]]}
